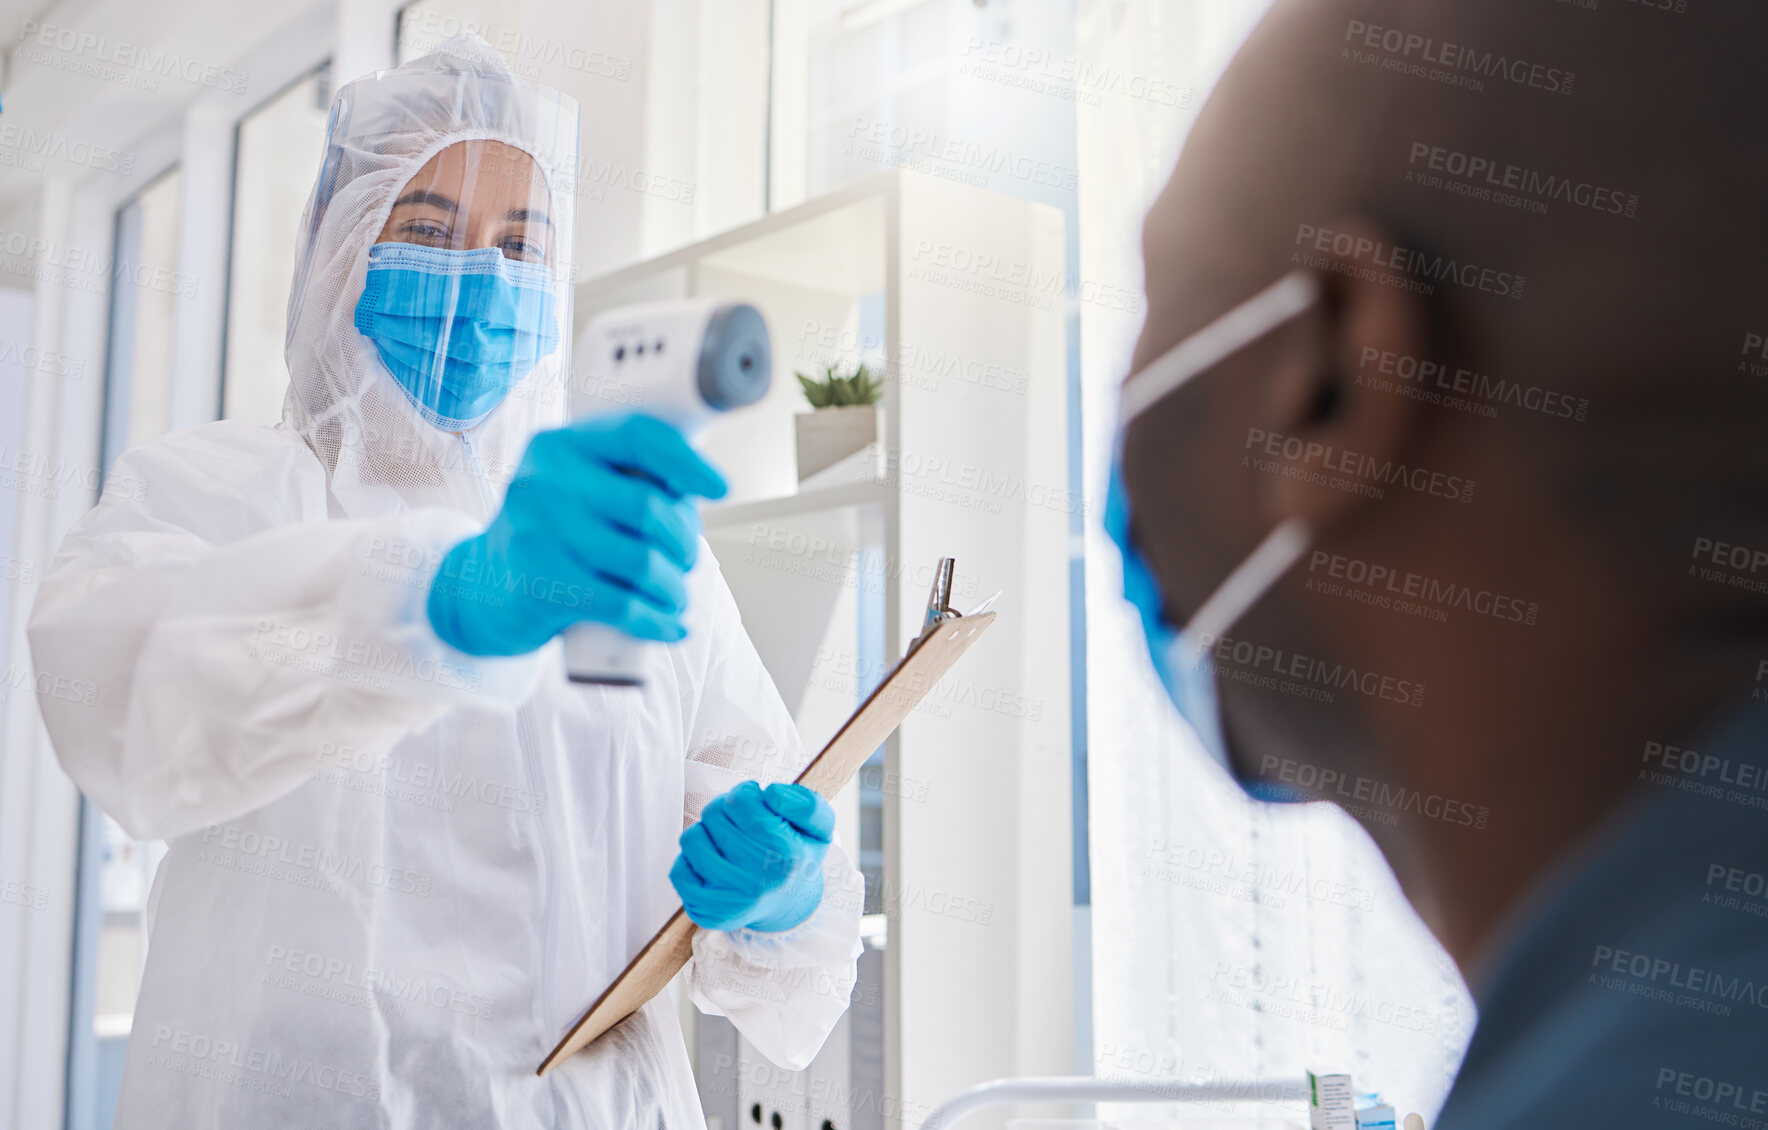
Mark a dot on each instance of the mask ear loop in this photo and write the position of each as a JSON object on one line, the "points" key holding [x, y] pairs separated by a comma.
{"points": [[1275, 556], [1288, 298]]}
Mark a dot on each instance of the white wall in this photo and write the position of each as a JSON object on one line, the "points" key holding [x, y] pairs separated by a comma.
{"points": [[47, 475], [24, 908], [15, 374]]}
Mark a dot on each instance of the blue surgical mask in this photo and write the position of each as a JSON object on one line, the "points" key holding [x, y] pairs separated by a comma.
{"points": [[1181, 656], [456, 329], [1181, 661]]}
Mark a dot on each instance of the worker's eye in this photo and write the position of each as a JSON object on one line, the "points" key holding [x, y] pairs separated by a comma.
{"points": [[424, 231], [523, 248]]}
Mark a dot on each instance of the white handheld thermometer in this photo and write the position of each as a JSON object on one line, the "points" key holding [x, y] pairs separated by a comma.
{"points": [[683, 362]]}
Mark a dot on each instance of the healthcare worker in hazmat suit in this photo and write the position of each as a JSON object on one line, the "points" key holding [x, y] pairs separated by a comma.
{"points": [[405, 852]]}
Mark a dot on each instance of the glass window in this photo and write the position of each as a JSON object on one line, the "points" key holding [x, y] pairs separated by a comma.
{"points": [[116, 872], [980, 92], [124, 881], [280, 145], [139, 385]]}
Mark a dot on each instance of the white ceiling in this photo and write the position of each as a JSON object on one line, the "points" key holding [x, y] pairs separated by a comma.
{"points": [[46, 97]]}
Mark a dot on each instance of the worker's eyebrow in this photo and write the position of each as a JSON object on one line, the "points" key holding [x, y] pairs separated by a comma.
{"points": [[427, 196], [528, 216]]}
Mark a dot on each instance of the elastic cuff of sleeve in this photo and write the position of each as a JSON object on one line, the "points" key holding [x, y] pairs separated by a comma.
{"points": [[390, 598]]}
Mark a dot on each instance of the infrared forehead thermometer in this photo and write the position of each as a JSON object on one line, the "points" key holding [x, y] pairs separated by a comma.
{"points": [[683, 362]]}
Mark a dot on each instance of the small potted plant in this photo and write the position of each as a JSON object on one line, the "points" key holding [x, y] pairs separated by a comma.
{"points": [[844, 420]]}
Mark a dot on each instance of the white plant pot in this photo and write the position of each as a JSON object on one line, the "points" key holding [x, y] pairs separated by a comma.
{"points": [[829, 435]]}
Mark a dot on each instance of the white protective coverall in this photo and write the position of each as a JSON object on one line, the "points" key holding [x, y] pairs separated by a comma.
{"points": [[397, 873]]}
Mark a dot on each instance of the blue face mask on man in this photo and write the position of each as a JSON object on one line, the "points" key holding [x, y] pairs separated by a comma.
{"points": [[1182, 656], [457, 329]]}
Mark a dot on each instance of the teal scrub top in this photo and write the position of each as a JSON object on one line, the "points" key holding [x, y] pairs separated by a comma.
{"points": [[1633, 990]]}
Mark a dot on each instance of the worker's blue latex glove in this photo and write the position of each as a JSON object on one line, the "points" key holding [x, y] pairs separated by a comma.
{"points": [[755, 859], [598, 524]]}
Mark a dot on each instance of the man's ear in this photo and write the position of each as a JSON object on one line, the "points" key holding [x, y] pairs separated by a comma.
{"points": [[1344, 400]]}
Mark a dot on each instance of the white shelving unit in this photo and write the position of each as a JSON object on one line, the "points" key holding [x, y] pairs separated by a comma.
{"points": [[958, 295], [733, 515]]}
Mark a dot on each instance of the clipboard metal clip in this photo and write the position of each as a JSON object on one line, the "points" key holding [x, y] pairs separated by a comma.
{"points": [[939, 602]]}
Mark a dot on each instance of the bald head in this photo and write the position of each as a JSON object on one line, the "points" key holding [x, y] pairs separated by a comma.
{"points": [[1521, 406], [1533, 138]]}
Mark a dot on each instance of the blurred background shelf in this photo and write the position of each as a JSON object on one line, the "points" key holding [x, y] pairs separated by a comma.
{"points": [[955, 296], [731, 515]]}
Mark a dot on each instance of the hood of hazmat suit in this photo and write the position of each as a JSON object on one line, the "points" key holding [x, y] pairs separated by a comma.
{"points": [[396, 873]]}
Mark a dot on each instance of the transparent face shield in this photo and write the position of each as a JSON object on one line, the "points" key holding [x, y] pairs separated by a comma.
{"points": [[430, 321], [459, 300]]}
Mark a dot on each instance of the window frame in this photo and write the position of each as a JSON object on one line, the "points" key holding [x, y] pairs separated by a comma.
{"points": [[325, 71]]}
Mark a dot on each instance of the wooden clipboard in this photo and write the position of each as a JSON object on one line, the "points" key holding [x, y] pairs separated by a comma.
{"points": [[828, 772]]}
